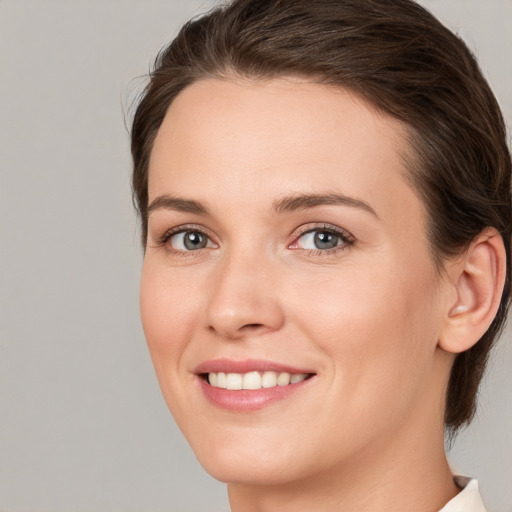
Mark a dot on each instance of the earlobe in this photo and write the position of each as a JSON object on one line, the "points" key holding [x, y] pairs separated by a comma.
{"points": [[478, 277]]}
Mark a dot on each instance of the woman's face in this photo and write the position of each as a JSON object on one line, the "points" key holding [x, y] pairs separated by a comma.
{"points": [[285, 243]]}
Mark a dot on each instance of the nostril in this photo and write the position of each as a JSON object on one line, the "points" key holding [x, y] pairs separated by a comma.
{"points": [[246, 326]]}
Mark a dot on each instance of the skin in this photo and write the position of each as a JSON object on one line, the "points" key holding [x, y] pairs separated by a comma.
{"points": [[366, 433]]}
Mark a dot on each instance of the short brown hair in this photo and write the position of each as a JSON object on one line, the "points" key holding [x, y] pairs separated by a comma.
{"points": [[401, 59]]}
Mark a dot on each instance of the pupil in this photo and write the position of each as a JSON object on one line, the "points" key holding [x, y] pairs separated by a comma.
{"points": [[194, 240], [325, 240]]}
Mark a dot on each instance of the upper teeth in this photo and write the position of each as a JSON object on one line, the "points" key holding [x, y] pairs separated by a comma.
{"points": [[253, 380]]}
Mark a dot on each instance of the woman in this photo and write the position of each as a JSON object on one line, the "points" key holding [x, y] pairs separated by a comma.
{"points": [[324, 191]]}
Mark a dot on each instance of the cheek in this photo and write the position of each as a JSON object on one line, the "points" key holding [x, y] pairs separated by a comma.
{"points": [[377, 327], [167, 314]]}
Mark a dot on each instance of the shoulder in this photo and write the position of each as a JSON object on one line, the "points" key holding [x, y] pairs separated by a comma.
{"points": [[468, 500]]}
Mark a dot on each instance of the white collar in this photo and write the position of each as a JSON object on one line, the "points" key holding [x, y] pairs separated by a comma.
{"points": [[468, 500]]}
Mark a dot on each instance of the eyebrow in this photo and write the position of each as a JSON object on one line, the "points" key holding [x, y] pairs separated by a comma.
{"points": [[178, 204], [284, 205], [305, 201]]}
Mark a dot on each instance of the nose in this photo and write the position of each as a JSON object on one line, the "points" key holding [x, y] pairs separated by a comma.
{"points": [[243, 298]]}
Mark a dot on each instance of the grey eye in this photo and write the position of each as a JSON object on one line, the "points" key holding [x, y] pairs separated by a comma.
{"points": [[318, 239], [189, 241], [326, 240]]}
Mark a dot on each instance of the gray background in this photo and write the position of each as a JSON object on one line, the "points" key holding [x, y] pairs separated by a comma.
{"points": [[82, 424]]}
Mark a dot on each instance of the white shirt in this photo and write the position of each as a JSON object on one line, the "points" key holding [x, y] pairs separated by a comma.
{"points": [[468, 500]]}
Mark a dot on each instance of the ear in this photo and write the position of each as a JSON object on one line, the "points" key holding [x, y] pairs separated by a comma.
{"points": [[478, 277]]}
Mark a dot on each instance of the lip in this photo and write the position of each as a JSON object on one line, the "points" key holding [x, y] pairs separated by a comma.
{"points": [[247, 400], [245, 366]]}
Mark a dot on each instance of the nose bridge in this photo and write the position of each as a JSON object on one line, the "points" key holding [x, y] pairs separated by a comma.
{"points": [[243, 298]]}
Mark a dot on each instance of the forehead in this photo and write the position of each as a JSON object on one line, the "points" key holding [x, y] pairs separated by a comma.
{"points": [[286, 135], [286, 109]]}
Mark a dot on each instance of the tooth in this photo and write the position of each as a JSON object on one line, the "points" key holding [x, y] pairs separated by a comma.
{"points": [[221, 380], [297, 377], [269, 379], [234, 381], [252, 380], [283, 379]]}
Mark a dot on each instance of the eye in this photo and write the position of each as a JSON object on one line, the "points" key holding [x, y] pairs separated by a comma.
{"points": [[189, 241], [323, 239], [319, 240]]}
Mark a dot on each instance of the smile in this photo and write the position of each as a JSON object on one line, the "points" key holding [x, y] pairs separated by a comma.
{"points": [[244, 386], [254, 380]]}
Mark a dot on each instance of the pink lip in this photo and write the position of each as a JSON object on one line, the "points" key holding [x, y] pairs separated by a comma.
{"points": [[249, 365], [246, 400]]}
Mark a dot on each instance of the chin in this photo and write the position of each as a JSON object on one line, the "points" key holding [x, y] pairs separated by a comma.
{"points": [[248, 456], [262, 459], [249, 472]]}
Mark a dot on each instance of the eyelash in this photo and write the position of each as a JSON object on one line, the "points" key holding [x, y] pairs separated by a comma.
{"points": [[164, 239], [346, 239]]}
